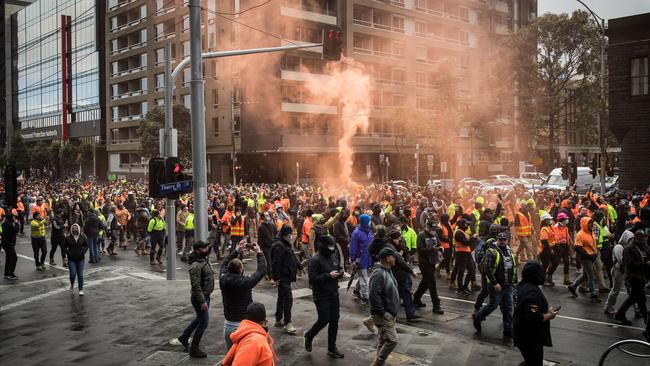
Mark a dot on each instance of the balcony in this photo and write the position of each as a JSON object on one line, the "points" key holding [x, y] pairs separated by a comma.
{"points": [[135, 117], [320, 11], [501, 6], [128, 42], [165, 30], [129, 65], [309, 108], [128, 19], [125, 142], [116, 4], [373, 18]]}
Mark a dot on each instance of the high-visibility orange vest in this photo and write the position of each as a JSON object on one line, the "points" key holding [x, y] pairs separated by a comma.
{"points": [[445, 232], [460, 247], [561, 234], [524, 229], [546, 233], [237, 228], [20, 207]]}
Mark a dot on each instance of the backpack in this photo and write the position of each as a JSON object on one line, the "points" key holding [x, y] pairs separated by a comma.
{"points": [[479, 250]]}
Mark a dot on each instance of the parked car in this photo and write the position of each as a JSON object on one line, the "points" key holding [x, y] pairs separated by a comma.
{"points": [[533, 177], [498, 177]]}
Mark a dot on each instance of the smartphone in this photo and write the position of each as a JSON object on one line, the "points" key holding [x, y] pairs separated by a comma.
{"points": [[557, 308]]}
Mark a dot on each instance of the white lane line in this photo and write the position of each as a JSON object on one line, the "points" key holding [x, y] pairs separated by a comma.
{"points": [[559, 316], [54, 292], [32, 259], [94, 270]]}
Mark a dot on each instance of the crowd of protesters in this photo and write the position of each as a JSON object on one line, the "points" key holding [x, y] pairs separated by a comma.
{"points": [[383, 235]]}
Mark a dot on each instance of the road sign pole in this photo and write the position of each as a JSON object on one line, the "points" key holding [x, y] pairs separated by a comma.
{"points": [[198, 124], [168, 147]]}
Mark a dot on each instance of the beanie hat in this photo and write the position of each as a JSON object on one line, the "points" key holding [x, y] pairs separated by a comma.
{"points": [[385, 252], [199, 244], [364, 221], [256, 312], [285, 230]]}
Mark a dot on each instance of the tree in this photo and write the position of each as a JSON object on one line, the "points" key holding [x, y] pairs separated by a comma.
{"points": [[154, 121], [40, 155], [19, 156], [555, 55], [87, 150]]}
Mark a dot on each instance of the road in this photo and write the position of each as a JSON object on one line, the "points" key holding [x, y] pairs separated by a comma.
{"points": [[130, 312]]}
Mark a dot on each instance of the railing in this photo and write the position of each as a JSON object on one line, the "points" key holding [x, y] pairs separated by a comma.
{"points": [[127, 25], [385, 27], [119, 5], [620, 347], [125, 141], [128, 94], [128, 48], [301, 6], [165, 36], [134, 117], [129, 71]]}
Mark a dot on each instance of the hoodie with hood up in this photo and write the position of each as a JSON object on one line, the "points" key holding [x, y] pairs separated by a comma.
{"points": [[75, 247], [201, 277], [529, 326], [252, 346], [585, 243], [322, 284]]}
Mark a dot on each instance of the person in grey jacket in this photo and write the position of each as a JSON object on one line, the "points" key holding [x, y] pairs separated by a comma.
{"points": [[384, 304], [202, 280]]}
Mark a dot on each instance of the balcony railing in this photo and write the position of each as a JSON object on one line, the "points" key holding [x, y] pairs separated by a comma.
{"points": [[135, 117], [128, 48], [121, 4], [124, 142], [385, 27], [127, 25], [129, 71], [129, 94]]}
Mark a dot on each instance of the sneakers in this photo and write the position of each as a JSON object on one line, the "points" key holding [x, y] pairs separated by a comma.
{"points": [[71, 289], [52, 262], [279, 324], [335, 353], [153, 263], [412, 318], [420, 304], [477, 323], [572, 290], [81, 292], [11, 277], [367, 322], [159, 260], [622, 320], [307, 342], [610, 311], [290, 329], [195, 352]]}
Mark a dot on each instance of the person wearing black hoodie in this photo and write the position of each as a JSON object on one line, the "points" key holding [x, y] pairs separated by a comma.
{"points": [[57, 236], [532, 316], [75, 247], [266, 231], [9, 231], [285, 268], [324, 272]]}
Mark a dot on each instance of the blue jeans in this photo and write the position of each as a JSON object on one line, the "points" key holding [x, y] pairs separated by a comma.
{"points": [[93, 245], [76, 271], [228, 329], [404, 288], [200, 323], [502, 299], [587, 275]]}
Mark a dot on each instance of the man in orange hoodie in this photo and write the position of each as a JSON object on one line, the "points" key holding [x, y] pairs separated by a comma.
{"points": [[252, 344], [586, 251]]}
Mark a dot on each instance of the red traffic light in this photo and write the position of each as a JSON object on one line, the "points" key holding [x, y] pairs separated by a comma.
{"points": [[178, 168]]}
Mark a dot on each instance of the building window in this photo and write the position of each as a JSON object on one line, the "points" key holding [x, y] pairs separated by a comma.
{"points": [[186, 48], [215, 97], [398, 49], [421, 53], [639, 76], [187, 101], [215, 126]]}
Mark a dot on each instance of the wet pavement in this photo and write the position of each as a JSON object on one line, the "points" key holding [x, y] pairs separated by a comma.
{"points": [[130, 312]]}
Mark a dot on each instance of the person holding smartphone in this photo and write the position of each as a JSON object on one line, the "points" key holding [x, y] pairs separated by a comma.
{"points": [[532, 315]]}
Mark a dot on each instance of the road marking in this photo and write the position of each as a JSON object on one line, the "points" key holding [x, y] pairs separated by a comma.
{"points": [[146, 276], [54, 292], [32, 259], [94, 270], [559, 316]]}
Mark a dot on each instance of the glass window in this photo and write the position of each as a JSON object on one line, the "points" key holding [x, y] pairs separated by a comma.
{"points": [[639, 76]]}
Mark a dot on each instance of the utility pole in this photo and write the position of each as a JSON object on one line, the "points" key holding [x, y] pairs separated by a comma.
{"points": [[198, 124], [168, 150]]}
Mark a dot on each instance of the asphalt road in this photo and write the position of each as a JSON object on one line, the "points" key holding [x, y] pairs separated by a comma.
{"points": [[37, 310]]}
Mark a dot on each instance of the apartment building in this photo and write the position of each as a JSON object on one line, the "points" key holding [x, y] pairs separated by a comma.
{"points": [[259, 125]]}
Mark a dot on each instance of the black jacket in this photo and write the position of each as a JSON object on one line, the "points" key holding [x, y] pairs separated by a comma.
{"points": [[401, 268], [236, 289], [427, 247], [322, 284], [58, 230], [635, 261], [75, 250], [265, 234], [284, 263], [9, 232], [529, 326], [341, 233], [92, 225]]}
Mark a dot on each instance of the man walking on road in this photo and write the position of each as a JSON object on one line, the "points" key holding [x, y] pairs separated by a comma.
{"points": [[9, 231], [202, 280], [38, 240], [284, 270], [427, 248], [237, 289], [324, 273], [384, 304]]}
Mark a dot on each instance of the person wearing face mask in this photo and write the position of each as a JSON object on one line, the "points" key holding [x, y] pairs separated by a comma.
{"points": [[324, 272], [75, 247], [360, 258], [202, 281], [563, 239], [532, 316], [285, 267], [499, 266], [238, 229], [546, 248], [428, 248], [586, 250], [236, 288], [252, 344], [266, 231]]}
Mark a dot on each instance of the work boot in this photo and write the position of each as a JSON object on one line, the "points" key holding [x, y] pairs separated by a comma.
{"points": [[159, 260], [567, 281], [369, 325], [475, 286], [437, 310], [452, 285], [52, 262], [197, 353], [572, 290], [549, 281]]}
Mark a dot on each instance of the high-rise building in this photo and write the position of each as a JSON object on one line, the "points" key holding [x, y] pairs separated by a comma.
{"points": [[42, 80], [628, 53], [260, 124]]}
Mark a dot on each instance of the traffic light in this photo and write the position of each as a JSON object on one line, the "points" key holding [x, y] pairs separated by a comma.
{"points": [[156, 177], [594, 167], [610, 170], [565, 171], [11, 186], [174, 170], [333, 44]]}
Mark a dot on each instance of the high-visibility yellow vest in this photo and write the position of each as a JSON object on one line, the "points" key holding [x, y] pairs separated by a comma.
{"points": [[524, 228], [189, 222]]}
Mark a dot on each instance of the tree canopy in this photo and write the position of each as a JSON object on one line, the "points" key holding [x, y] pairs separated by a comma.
{"points": [[155, 120]]}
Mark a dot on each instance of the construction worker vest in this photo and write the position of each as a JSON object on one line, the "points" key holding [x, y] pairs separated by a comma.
{"points": [[524, 228], [189, 222], [460, 247], [237, 229]]}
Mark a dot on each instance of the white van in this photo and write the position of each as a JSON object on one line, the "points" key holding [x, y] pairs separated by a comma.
{"points": [[584, 181]]}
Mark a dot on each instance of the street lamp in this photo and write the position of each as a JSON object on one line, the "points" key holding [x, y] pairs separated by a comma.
{"points": [[601, 131]]}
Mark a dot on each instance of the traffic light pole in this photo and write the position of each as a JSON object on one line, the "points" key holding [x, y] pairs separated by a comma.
{"points": [[168, 151], [198, 125]]}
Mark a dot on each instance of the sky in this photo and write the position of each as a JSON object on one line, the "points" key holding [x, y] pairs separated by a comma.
{"points": [[607, 9]]}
